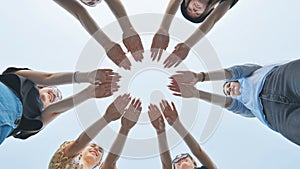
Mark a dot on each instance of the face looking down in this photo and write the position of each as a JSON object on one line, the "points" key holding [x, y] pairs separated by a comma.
{"points": [[92, 154], [49, 95], [195, 8]]}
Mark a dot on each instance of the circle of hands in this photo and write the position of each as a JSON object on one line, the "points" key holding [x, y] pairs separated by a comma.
{"points": [[105, 81]]}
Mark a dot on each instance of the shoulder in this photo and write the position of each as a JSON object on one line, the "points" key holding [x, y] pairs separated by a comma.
{"points": [[59, 158], [12, 70]]}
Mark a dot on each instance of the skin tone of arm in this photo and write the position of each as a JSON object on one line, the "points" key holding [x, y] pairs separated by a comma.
{"points": [[161, 39], [182, 49], [128, 120], [113, 112], [113, 50], [131, 39], [92, 91], [49, 79], [158, 123], [191, 78], [171, 115], [189, 91], [209, 22]]}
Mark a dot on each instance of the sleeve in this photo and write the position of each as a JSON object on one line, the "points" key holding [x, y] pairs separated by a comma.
{"points": [[12, 70], [234, 2], [238, 108], [240, 71]]}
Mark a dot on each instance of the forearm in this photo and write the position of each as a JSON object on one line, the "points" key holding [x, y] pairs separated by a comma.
{"points": [[222, 74], [81, 14], [208, 23], [169, 14], [55, 109], [116, 148], [119, 11], [164, 150], [194, 146], [216, 99], [86, 136]]}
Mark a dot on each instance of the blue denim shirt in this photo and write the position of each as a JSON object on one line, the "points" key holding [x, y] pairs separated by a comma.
{"points": [[251, 78], [10, 107]]}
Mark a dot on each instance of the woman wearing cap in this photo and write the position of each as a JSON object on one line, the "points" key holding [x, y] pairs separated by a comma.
{"points": [[113, 50], [270, 93], [181, 161], [206, 12], [29, 100], [80, 154]]}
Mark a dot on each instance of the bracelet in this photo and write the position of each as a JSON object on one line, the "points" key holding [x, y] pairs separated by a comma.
{"points": [[75, 77], [203, 77]]}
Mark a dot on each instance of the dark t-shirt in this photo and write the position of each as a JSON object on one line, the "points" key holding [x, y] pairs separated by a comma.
{"points": [[202, 167]]}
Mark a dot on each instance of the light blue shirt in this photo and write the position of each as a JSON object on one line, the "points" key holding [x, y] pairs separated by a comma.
{"points": [[251, 78]]}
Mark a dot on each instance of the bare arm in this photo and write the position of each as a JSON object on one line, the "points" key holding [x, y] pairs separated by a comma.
{"points": [[119, 11], [172, 117], [209, 22], [113, 112], [169, 14], [92, 91], [80, 13], [128, 120], [194, 146]]}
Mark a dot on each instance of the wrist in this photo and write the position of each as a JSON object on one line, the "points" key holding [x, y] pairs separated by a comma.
{"points": [[201, 77], [158, 132], [124, 131]]}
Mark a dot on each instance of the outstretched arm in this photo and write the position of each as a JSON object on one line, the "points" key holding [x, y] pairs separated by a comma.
{"points": [[113, 112], [171, 115], [158, 123], [209, 22], [128, 120], [49, 79], [113, 50], [92, 91], [131, 39], [189, 91], [161, 39]]}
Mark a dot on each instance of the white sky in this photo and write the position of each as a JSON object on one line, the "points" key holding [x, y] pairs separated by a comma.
{"points": [[42, 36]]}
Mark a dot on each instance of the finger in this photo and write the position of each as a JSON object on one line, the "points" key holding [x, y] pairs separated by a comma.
{"points": [[154, 54], [177, 94], [178, 62], [159, 54], [173, 106]]}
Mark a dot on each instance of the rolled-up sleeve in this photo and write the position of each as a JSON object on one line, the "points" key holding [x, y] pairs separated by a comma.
{"points": [[241, 71], [238, 108]]}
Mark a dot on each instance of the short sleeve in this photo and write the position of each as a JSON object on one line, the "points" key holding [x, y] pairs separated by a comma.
{"points": [[12, 70]]}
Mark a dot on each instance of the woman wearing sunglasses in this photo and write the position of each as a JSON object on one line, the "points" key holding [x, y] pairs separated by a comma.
{"points": [[113, 50], [181, 161], [29, 101]]}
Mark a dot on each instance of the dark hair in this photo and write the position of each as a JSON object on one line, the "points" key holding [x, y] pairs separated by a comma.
{"points": [[194, 20]]}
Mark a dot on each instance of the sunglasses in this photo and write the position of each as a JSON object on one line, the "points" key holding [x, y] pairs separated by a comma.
{"points": [[91, 3], [180, 157]]}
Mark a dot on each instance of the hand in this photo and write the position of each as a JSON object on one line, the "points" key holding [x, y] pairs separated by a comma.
{"points": [[132, 114], [117, 55], [100, 76], [156, 118], [115, 110], [183, 90], [169, 112], [102, 90], [160, 43], [133, 43], [177, 56], [185, 77]]}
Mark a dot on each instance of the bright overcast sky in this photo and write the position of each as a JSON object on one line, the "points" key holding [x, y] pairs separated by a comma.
{"points": [[42, 36]]}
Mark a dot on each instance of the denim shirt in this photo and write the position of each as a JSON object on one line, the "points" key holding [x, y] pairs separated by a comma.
{"points": [[10, 107], [251, 78]]}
